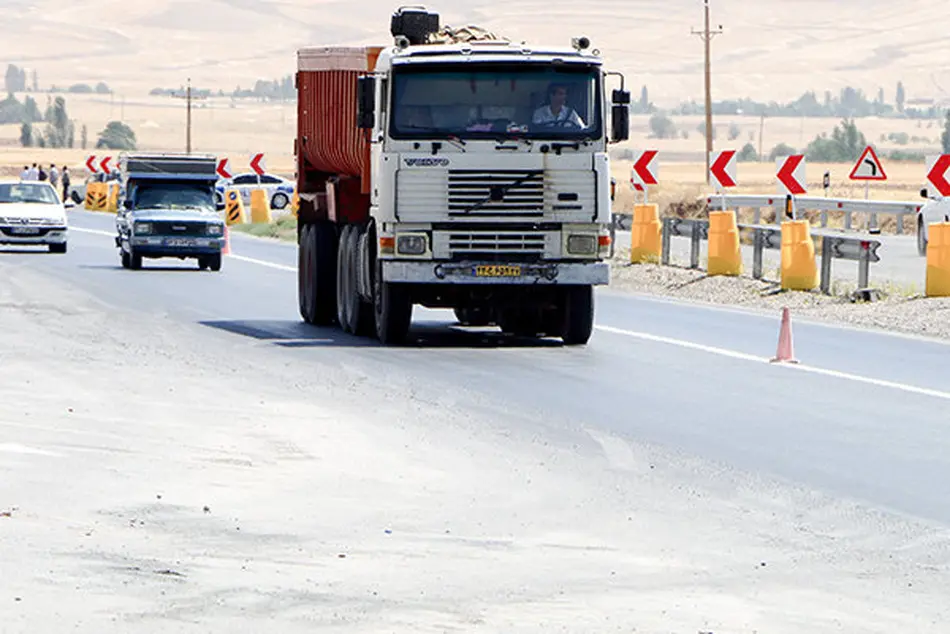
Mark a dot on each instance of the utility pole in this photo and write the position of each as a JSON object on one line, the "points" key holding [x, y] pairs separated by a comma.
{"points": [[188, 98], [707, 35], [761, 134]]}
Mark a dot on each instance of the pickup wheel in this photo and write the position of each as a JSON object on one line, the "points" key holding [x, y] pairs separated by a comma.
{"points": [[57, 248], [921, 239], [393, 308], [316, 273], [578, 315], [125, 258], [214, 262], [135, 262]]}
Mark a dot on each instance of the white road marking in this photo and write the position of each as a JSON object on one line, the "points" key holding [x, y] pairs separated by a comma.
{"points": [[98, 232], [23, 449], [723, 352], [913, 389]]}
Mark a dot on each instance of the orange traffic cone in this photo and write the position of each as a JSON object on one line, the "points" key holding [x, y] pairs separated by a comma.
{"points": [[786, 351], [227, 242]]}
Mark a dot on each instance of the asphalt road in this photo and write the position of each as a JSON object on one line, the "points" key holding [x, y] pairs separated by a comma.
{"points": [[697, 379]]}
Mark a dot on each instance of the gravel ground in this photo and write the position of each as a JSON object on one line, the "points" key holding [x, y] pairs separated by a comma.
{"points": [[899, 309]]}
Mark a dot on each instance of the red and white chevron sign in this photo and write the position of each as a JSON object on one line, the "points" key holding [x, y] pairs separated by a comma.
{"points": [[723, 168], [257, 164], [791, 175], [644, 168]]}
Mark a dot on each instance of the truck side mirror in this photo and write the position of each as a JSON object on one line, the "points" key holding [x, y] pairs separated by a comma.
{"points": [[127, 204], [620, 116], [366, 102]]}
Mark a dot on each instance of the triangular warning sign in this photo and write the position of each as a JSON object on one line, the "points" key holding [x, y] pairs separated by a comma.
{"points": [[868, 167]]}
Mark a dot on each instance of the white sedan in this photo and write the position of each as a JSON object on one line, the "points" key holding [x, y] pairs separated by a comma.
{"points": [[279, 190], [934, 211], [31, 213]]}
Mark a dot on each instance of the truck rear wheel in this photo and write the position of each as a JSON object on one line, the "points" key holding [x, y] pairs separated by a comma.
{"points": [[393, 308], [578, 315], [316, 273]]}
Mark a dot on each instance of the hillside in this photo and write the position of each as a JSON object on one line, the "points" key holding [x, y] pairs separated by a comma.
{"points": [[771, 49]]}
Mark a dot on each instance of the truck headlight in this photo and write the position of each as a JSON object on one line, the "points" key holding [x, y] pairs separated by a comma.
{"points": [[582, 244], [214, 230], [143, 228], [411, 244]]}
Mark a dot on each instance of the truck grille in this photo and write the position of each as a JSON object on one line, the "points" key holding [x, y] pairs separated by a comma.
{"points": [[496, 193], [490, 244], [180, 228]]}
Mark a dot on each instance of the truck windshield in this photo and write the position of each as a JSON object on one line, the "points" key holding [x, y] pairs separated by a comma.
{"points": [[492, 101], [174, 196]]}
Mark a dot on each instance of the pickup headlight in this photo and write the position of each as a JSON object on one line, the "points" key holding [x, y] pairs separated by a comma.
{"points": [[142, 228], [411, 244], [214, 230], [582, 244]]}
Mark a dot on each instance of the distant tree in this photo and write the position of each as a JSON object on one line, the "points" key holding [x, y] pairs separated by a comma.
{"points": [[900, 97], [701, 128], [880, 96], [31, 110], [945, 137], [14, 80], [82, 89], [59, 127], [116, 136], [84, 136], [734, 131], [36, 82], [781, 150], [662, 127], [102, 88], [748, 154], [11, 110], [26, 134], [845, 144]]}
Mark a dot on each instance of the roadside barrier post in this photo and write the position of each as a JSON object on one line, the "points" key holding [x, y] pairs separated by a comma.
{"points": [[260, 207], [938, 260], [799, 271], [645, 234], [234, 208], [725, 253]]}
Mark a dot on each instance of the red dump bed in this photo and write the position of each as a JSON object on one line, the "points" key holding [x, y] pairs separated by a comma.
{"points": [[328, 139]]}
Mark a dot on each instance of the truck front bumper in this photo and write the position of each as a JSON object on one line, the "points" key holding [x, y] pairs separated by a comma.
{"points": [[167, 247], [574, 273]]}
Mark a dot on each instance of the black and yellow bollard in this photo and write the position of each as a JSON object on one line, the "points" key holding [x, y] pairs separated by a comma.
{"points": [[234, 208]]}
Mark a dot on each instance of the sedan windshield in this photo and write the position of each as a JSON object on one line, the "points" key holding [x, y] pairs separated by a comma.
{"points": [[174, 196], [27, 193], [495, 101]]}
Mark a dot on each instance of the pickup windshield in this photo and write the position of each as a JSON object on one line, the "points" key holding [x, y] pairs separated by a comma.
{"points": [[27, 193], [496, 101], [174, 196]]}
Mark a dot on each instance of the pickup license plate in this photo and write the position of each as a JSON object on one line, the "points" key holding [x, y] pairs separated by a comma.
{"points": [[180, 242], [497, 270], [26, 231]]}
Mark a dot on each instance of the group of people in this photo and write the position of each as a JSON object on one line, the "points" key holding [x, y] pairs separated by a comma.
{"points": [[54, 176]]}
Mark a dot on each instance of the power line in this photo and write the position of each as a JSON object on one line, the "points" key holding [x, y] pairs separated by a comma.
{"points": [[707, 35]]}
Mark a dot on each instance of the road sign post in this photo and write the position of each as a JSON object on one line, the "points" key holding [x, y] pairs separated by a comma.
{"points": [[791, 177], [644, 172], [722, 172]]}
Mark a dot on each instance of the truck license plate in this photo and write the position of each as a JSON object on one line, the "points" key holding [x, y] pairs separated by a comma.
{"points": [[180, 242], [497, 270], [26, 231]]}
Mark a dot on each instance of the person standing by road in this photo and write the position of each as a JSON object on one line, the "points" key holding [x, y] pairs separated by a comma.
{"points": [[25, 174], [42, 175], [54, 176], [65, 182], [34, 174]]}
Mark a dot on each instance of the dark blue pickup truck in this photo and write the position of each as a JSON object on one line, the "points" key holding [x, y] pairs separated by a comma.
{"points": [[168, 210]]}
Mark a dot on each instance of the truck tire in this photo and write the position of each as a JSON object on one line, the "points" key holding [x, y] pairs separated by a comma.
{"points": [[393, 308], [214, 262], [126, 259], [342, 275], [135, 262], [361, 314], [316, 273], [578, 315]]}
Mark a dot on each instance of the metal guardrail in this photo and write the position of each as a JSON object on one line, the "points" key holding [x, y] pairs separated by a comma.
{"points": [[833, 247], [848, 206]]}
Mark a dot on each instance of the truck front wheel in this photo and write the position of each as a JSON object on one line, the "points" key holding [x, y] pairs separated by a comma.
{"points": [[578, 315], [393, 308]]}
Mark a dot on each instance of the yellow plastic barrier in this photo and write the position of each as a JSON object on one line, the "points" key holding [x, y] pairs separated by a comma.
{"points": [[938, 260], [112, 204], [295, 202], [90, 202], [234, 208], [102, 196], [645, 234], [260, 207], [799, 270], [725, 254]]}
